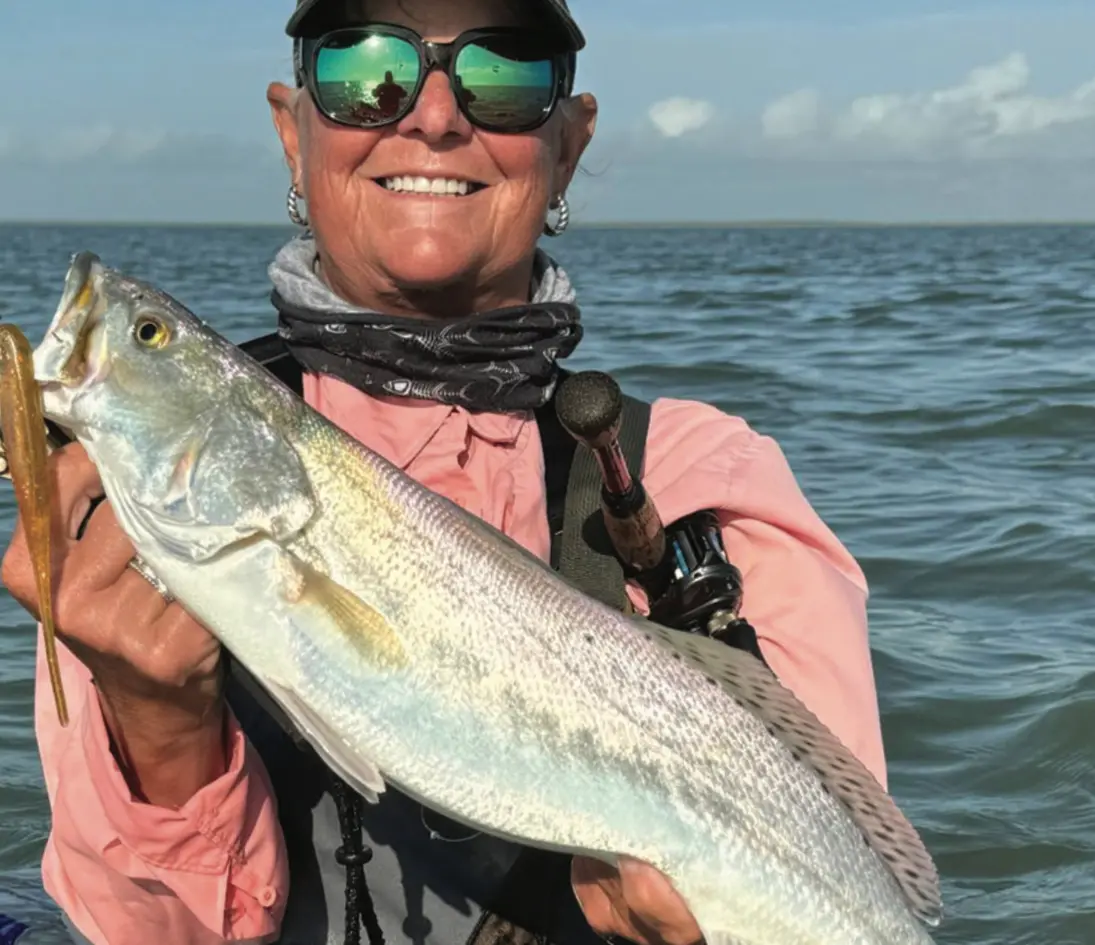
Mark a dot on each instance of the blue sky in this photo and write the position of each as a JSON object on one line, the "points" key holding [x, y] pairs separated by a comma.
{"points": [[151, 110]]}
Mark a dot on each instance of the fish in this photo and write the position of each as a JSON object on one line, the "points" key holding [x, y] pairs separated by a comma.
{"points": [[419, 649]]}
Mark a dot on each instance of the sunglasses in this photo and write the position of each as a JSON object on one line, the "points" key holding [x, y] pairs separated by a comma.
{"points": [[503, 80]]}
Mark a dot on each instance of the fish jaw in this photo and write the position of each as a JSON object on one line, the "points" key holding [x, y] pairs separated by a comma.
{"points": [[63, 359], [74, 360]]}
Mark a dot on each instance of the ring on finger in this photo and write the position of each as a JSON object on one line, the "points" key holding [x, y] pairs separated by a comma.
{"points": [[147, 573]]}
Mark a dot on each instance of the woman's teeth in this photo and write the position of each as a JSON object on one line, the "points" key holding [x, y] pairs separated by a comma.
{"points": [[438, 186]]}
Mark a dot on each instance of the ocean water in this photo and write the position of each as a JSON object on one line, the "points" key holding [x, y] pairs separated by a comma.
{"points": [[933, 391]]}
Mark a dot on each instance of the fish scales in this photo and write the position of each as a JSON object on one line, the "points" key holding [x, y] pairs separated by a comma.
{"points": [[418, 647], [586, 688]]}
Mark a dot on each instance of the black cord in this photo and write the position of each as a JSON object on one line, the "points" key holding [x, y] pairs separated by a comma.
{"points": [[353, 855]]}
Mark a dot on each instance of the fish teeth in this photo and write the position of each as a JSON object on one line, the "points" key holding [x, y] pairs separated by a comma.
{"points": [[437, 186]]}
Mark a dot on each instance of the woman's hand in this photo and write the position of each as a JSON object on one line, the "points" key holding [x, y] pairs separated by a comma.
{"points": [[155, 667], [635, 902]]}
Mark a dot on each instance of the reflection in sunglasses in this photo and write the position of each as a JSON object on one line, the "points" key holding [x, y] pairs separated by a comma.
{"points": [[370, 80], [389, 96]]}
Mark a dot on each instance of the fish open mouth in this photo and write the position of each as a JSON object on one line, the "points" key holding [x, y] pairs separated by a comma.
{"points": [[74, 352], [419, 186]]}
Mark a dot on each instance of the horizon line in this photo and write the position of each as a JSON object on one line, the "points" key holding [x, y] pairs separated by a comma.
{"points": [[759, 223]]}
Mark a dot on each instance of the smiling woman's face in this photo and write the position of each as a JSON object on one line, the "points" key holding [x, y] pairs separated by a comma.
{"points": [[437, 253]]}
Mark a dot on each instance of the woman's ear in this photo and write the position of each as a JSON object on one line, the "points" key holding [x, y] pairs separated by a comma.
{"points": [[579, 114], [283, 109]]}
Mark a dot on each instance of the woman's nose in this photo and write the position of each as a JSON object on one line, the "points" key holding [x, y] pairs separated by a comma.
{"points": [[436, 115]]}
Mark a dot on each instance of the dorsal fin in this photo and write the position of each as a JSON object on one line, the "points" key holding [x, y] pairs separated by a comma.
{"points": [[756, 688]]}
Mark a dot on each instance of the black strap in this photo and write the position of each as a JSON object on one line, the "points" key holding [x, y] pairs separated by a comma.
{"points": [[580, 547], [270, 351], [586, 555], [558, 447]]}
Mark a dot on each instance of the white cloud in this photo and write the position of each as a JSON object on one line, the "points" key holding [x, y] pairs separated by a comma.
{"points": [[792, 116], [992, 113], [679, 116]]}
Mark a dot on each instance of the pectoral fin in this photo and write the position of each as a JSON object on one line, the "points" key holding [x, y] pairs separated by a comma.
{"points": [[333, 625], [354, 621]]}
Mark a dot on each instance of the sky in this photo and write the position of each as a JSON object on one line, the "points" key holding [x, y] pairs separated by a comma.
{"points": [[909, 110]]}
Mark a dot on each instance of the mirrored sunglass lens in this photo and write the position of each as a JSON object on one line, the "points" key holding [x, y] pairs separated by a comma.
{"points": [[501, 87], [365, 78]]}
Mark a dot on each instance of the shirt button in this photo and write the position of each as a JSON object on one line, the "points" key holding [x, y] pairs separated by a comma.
{"points": [[267, 896]]}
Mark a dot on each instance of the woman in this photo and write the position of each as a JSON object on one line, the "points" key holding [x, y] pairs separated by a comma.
{"points": [[178, 817]]}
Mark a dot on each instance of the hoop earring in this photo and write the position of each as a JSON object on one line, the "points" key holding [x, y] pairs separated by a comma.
{"points": [[292, 205], [560, 206]]}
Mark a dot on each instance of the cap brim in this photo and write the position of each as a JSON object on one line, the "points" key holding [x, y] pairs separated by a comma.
{"points": [[556, 10], [302, 12]]}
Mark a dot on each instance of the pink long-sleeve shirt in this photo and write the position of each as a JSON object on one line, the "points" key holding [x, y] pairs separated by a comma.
{"points": [[215, 870]]}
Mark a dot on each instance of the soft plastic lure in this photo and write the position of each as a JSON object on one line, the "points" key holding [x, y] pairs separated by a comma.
{"points": [[24, 431]]}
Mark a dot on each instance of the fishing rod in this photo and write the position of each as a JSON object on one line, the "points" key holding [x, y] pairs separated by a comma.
{"points": [[683, 568]]}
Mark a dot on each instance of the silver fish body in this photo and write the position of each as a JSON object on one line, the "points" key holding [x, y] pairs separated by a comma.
{"points": [[416, 646]]}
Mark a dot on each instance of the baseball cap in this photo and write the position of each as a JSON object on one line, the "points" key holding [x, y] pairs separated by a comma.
{"points": [[555, 12]]}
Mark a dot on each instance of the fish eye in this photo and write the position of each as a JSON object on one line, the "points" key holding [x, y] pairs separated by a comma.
{"points": [[151, 332]]}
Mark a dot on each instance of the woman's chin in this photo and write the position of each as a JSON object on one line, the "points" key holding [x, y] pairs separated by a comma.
{"points": [[431, 260]]}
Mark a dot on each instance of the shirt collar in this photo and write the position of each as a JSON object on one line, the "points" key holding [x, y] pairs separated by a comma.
{"points": [[399, 428]]}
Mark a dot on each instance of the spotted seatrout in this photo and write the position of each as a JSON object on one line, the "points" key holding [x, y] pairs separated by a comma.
{"points": [[417, 647]]}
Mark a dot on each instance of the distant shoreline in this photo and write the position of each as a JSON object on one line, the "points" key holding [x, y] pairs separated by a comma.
{"points": [[609, 225]]}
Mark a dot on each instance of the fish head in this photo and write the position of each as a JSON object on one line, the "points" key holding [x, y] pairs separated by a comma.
{"points": [[126, 368], [189, 435]]}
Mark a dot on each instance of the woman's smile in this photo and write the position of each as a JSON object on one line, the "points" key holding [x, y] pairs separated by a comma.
{"points": [[428, 185]]}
